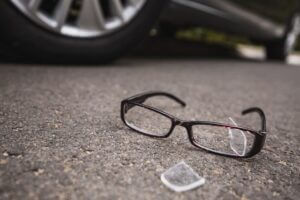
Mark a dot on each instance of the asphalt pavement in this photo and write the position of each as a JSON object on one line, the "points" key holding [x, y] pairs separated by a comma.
{"points": [[61, 136]]}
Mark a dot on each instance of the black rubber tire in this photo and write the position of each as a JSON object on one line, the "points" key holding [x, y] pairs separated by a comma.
{"points": [[276, 50], [22, 37]]}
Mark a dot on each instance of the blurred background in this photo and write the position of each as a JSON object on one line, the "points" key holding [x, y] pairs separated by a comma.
{"points": [[101, 31]]}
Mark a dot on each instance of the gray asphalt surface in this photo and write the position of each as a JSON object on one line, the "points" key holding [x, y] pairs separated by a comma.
{"points": [[61, 136]]}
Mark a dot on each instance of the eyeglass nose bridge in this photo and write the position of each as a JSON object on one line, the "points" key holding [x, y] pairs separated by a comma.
{"points": [[186, 126], [179, 122]]}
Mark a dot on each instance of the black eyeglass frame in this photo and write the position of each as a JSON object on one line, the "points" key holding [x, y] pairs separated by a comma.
{"points": [[138, 100]]}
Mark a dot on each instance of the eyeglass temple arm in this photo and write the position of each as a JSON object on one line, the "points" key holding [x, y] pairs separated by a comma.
{"points": [[261, 114], [145, 96]]}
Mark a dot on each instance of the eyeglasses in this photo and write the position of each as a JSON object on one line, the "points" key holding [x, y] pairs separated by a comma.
{"points": [[218, 138]]}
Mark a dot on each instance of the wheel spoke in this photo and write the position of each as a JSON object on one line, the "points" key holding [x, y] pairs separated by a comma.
{"points": [[136, 2], [34, 5], [61, 12], [117, 8], [133, 2], [90, 15]]}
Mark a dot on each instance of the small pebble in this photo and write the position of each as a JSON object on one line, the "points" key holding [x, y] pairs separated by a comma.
{"points": [[39, 172], [282, 163], [3, 162]]}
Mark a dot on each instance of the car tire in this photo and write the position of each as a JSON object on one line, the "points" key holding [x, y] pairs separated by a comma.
{"points": [[22, 37], [280, 49]]}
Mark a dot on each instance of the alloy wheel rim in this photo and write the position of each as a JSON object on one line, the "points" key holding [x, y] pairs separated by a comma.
{"points": [[293, 35], [80, 18]]}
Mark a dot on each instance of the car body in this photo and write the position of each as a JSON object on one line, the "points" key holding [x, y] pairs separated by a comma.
{"points": [[272, 23], [260, 20]]}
